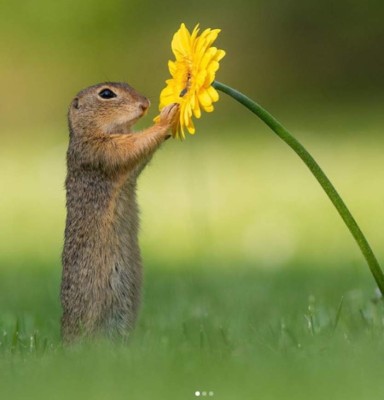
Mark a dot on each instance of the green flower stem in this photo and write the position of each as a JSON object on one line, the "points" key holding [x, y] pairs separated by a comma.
{"points": [[325, 183]]}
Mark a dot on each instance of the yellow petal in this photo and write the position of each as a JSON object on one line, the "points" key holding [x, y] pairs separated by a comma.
{"points": [[180, 133], [187, 114], [209, 108], [200, 78], [208, 57], [211, 73], [180, 42], [168, 90], [196, 110], [172, 67], [213, 93], [194, 33], [213, 36], [185, 38], [192, 100], [204, 98], [191, 127], [219, 55], [206, 39], [181, 117], [213, 66], [195, 107]]}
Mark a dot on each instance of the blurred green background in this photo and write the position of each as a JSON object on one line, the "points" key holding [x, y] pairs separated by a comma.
{"points": [[230, 205]]}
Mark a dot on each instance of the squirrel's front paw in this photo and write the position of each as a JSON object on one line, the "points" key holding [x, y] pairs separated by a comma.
{"points": [[169, 114]]}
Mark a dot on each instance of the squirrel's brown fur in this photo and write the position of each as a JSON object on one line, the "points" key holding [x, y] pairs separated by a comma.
{"points": [[101, 280]]}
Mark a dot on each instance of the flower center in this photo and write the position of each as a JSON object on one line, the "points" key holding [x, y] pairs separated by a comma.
{"points": [[187, 85]]}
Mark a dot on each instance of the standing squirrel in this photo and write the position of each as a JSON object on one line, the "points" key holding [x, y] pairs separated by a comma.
{"points": [[102, 272]]}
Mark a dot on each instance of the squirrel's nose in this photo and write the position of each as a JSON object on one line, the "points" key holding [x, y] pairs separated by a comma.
{"points": [[144, 105]]}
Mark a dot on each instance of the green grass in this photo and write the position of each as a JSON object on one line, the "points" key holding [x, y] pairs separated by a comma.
{"points": [[243, 333]]}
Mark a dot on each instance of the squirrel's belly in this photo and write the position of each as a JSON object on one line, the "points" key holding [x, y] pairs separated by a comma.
{"points": [[102, 270], [125, 283], [126, 271]]}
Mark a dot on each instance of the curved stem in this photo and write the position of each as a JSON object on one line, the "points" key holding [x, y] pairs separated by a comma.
{"points": [[325, 183]]}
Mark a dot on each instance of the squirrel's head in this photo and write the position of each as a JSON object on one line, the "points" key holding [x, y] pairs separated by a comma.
{"points": [[106, 108]]}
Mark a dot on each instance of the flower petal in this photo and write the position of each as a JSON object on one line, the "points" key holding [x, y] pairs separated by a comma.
{"points": [[200, 78], [209, 108], [213, 93], [191, 127], [204, 98], [180, 42], [172, 67], [219, 55]]}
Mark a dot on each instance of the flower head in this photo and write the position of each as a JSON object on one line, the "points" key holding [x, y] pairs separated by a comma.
{"points": [[193, 73]]}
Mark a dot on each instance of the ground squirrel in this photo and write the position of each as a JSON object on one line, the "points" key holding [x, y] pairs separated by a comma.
{"points": [[101, 278]]}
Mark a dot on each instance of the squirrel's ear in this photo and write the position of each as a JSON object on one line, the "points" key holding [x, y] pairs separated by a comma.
{"points": [[75, 102]]}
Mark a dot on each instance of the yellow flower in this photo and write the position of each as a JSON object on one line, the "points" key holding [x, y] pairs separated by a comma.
{"points": [[193, 73]]}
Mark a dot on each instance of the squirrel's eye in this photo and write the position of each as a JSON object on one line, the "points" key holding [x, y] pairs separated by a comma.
{"points": [[107, 94]]}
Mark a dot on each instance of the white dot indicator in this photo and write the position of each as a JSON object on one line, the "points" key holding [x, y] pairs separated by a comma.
{"points": [[203, 393], [197, 393], [210, 393]]}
